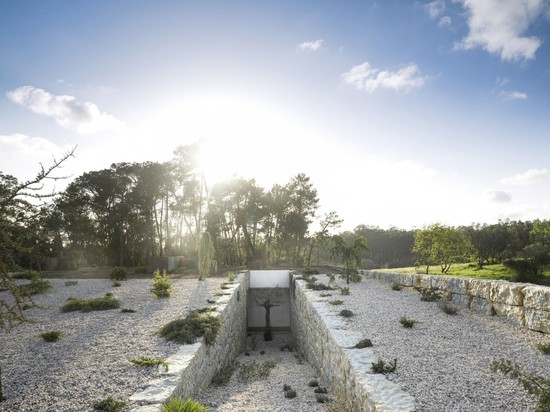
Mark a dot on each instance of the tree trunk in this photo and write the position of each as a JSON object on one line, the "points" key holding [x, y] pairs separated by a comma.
{"points": [[267, 334], [1, 392]]}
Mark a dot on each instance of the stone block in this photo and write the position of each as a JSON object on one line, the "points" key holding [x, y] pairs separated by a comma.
{"points": [[536, 297], [482, 305], [439, 282], [507, 292], [514, 313], [480, 288], [461, 300], [537, 320], [346, 338], [457, 285], [421, 281], [407, 279]]}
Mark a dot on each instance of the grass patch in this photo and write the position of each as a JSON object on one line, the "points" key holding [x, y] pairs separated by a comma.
{"points": [[544, 348], [344, 291], [363, 343], [149, 362], [37, 286], [255, 370], [174, 404], [449, 309], [51, 336], [210, 301], [194, 325], [126, 310], [89, 305], [406, 322], [325, 295], [346, 313], [71, 283], [336, 302], [207, 309], [109, 405], [222, 294], [318, 286]]}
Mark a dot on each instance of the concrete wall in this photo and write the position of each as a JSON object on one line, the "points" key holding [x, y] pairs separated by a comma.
{"points": [[269, 279], [522, 303], [320, 337], [192, 368]]}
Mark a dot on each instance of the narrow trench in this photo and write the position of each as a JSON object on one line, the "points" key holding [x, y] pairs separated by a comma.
{"points": [[258, 377]]}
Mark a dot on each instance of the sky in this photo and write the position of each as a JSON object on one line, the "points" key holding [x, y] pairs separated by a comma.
{"points": [[402, 113]]}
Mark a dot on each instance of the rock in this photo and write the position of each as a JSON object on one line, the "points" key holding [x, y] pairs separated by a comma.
{"points": [[507, 292], [537, 297], [537, 320]]}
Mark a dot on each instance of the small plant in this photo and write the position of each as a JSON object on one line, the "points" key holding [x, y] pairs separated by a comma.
{"points": [[210, 301], [544, 348], [109, 405], [344, 291], [116, 284], [118, 274], [406, 322], [320, 389], [286, 387], [346, 313], [207, 309], [174, 404], [37, 286], [232, 276], [262, 352], [225, 286], [290, 393], [325, 295], [449, 309], [29, 275], [310, 271], [148, 362], [318, 286], [381, 367], [222, 294], [186, 331], [109, 295], [161, 287], [322, 398], [309, 279], [363, 343], [336, 302], [255, 370], [429, 294], [51, 336], [126, 310], [26, 306], [396, 286], [313, 383], [71, 282], [286, 347], [89, 305], [331, 278], [534, 384]]}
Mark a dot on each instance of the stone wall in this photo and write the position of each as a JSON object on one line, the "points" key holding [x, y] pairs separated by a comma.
{"points": [[319, 336], [191, 369], [522, 303]]}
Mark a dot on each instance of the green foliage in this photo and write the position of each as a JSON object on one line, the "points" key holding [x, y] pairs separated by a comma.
{"points": [[346, 313], [109, 405], [533, 383], [344, 291], [232, 276], [396, 286], [118, 273], [140, 270], [88, 305], [71, 283], [449, 309], [363, 343], [161, 287], [126, 310], [206, 255], [37, 286], [149, 362], [348, 254], [210, 301], [318, 286], [174, 404], [29, 275], [525, 270], [51, 336], [116, 283], [406, 322], [325, 295], [336, 302], [290, 393], [207, 309], [254, 370], [322, 398], [331, 278], [320, 389], [429, 294], [194, 325], [544, 348], [381, 367], [222, 294], [313, 383], [310, 271]]}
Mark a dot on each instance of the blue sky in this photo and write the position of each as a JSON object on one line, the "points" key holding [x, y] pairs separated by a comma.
{"points": [[403, 113]]}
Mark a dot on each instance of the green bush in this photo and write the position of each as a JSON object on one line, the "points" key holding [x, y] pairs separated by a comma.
{"points": [[396, 286], [186, 331], [148, 362], [310, 271], [29, 275], [207, 309], [88, 305], [126, 310], [363, 343], [325, 295], [406, 322], [291, 393], [320, 389], [381, 367], [232, 276], [344, 291], [336, 302], [313, 383], [51, 336], [141, 270], [544, 348], [37, 286], [449, 309], [346, 313], [118, 274], [322, 398], [525, 270], [318, 286], [179, 405], [161, 287], [109, 405]]}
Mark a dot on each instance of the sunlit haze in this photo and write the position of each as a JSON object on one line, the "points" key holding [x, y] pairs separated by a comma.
{"points": [[402, 113]]}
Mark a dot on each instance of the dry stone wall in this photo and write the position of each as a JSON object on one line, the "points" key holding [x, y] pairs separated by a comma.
{"points": [[522, 303]]}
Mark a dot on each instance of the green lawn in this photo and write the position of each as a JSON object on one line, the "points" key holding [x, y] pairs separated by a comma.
{"points": [[470, 270]]}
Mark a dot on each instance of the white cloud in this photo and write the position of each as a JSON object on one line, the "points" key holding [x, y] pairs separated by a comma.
{"points": [[445, 21], [509, 95], [529, 177], [435, 8], [364, 77], [497, 196], [310, 46], [498, 26], [84, 118]]}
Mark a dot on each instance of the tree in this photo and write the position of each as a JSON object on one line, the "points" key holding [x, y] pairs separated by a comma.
{"points": [[206, 255], [348, 254], [330, 221], [269, 298]]}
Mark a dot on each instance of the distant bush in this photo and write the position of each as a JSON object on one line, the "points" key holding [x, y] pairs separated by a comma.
{"points": [[382, 367], [161, 287], [336, 302], [88, 305], [118, 273], [109, 405], [51, 336], [141, 270], [525, 270], [232, 276], [179, 405], [194, 325], [310, 271], [363, 343]]}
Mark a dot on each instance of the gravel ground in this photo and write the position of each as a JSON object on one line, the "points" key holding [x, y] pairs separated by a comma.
{"points": [[90, 361], [443, 361]]}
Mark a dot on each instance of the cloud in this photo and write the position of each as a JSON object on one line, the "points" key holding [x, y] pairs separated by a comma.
{"points": [[498, 196], [84, 118], [445, 21], [529, 177], [509, 95], [497, 26], [310, 46], [434, 8], [364, 77]]}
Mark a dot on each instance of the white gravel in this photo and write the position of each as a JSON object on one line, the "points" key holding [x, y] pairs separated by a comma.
{"points": [[91, 359], [443, 361]]}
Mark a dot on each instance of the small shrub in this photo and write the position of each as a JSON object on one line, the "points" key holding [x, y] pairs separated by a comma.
{"points": [[210, 301], [71, 283], [140, 270], [109, 405], [336, 302], [26, 306], [429, 294], [116, 284], [223, 376], [290, 393], [286, 347], [318, 286], [186, 331], [363, 343], [89, 305], [286, 387], [225, 286], [206, 309], [325, 295], [331, 278], [381, 367], [174, 404], [51, 336], [309, 279], [313, 383], [161, 287], [310, 271], [148, 362], [232, 276], [396, 286], [126, 310], [322, 398], [346, 313], [109, 295], [29, 275], [37, 286], [344, 291], [222, 294], [320, 389], [118, 274], [449, 309], [406, 322], [544, 348]]}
